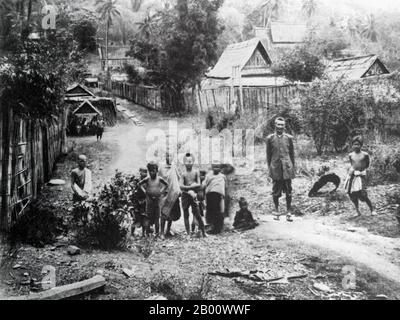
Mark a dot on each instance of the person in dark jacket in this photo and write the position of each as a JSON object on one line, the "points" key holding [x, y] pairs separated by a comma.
{"points": [[281, 164]]}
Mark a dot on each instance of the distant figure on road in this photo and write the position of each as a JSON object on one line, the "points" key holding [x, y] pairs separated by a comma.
{"points": [[81, 180], [281, 164], [100, 129], [355, 184]]}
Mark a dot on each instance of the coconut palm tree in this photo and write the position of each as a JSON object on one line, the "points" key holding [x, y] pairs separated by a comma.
{"points": [[136, 4], [309, 7], [272, 9], [369, 31], [107, 10]]}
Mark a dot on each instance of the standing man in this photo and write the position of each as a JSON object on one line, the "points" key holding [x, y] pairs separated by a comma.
{"points": [[281, 164], [81, 180]]}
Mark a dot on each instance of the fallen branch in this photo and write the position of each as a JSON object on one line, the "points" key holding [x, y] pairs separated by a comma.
{"points": [[67, 291]]}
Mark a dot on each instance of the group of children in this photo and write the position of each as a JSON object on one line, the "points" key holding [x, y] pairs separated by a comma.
{"points": [[203, 193]]}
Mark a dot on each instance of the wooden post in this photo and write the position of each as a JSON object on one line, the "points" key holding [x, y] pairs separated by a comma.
{"points": [[7, 129]]}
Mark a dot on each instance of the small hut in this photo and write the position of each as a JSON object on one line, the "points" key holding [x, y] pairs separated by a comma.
{"points": [[78, 92], [356, 68]]}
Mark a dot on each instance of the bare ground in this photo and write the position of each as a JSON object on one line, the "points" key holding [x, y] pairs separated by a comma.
{"points": [[317, 245]]}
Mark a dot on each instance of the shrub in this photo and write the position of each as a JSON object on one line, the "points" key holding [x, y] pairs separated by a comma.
{"points": [[105, 222], [332, 110], [385, 165]]}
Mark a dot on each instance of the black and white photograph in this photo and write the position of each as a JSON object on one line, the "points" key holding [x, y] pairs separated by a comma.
{"points": [[216, 152]]}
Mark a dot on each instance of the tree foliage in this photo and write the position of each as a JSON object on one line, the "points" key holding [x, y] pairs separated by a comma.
{"points": [[36, 75], [179, 44], [300, 64]]}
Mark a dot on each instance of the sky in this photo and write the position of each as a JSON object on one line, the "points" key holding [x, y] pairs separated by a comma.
{"points": [[386, 5]]}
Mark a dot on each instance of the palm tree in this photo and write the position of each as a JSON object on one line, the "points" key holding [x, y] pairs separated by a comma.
{"points": [[145, 28], [309, 7], [272, 9], [136, 4], [107, 10], [369, 30]]}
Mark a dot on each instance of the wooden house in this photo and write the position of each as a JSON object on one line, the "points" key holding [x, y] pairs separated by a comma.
{"points": [[78, 92], [356, 68], [246, 64]]}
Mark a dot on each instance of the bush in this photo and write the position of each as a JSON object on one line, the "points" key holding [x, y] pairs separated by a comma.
{"points": [[301, 64], [219, 120], [105, 222], [385, 166], [332, 110]]}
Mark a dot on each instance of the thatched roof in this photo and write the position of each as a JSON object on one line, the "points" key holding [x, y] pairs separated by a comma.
{"points": [[356, 67], [237, 54], [78, 91], [86, 107]]}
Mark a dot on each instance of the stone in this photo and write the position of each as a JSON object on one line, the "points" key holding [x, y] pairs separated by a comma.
{"points": [[73, 250], [322, 287]]}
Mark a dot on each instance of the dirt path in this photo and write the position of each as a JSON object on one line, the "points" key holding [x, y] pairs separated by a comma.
{"points": [[363, 249]]}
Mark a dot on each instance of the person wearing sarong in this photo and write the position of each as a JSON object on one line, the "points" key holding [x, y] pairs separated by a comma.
{"points": [[170, 207], [355, 184], [81, 180], [215, 188]]}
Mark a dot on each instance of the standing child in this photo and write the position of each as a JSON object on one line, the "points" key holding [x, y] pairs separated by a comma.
{"points": [[215, 184], [355, 183], [140, 202], [190, 183], [201, 198], [154, 187]]}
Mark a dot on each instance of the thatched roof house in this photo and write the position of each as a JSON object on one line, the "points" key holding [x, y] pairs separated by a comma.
{"points": [[247, 62], [78, 92], [356, 68]]}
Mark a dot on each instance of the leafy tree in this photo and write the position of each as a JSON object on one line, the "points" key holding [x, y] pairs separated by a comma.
{"points": [[301, 64], [182, 44], [85, 34], [36, 75]]}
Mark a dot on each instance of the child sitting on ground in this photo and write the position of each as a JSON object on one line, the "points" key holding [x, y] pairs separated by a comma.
{"points": [[356, 181], [244, 219], [154, 187]]}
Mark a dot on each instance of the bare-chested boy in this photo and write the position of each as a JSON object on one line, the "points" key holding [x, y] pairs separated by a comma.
{"points": [[154, 187], [190, 183], [356, 180]]}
